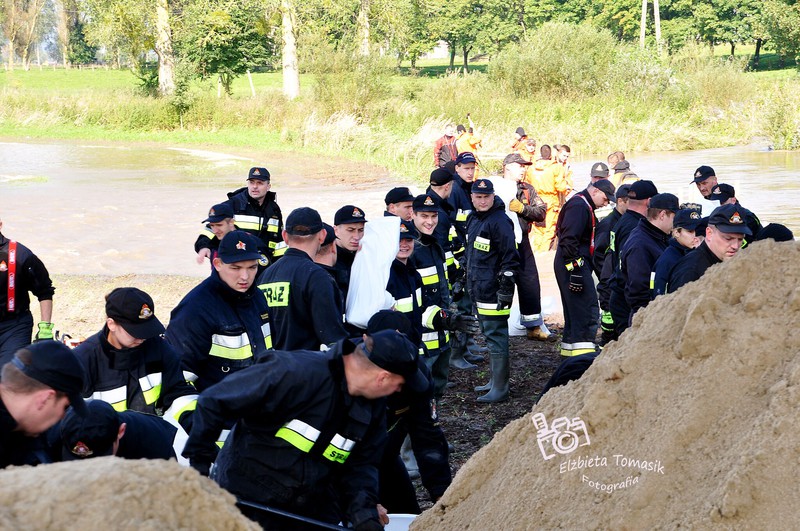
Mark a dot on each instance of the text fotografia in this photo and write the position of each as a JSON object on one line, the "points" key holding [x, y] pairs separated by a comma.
{"points": [[611, 487], [618, 460]]}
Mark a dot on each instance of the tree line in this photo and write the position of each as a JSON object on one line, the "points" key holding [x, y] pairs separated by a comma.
{"points": [[223, 39]]}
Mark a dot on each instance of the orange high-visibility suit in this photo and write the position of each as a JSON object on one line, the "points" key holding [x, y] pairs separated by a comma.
{"points": [[553, 182]]}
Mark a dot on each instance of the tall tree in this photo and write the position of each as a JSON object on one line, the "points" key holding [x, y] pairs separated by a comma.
{"points": [[163, 48], [291, 72]]}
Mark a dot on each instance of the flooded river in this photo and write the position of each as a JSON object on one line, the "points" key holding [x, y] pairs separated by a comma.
{"points": [[117, 209]]}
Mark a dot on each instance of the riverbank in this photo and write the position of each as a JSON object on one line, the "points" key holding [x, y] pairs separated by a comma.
{"points": [[394, 119]]}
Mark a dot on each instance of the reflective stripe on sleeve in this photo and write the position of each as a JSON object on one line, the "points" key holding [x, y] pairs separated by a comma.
{"points": [[272, 225], [151, 387], [266, 331], [339, 449], [429, 275], [652, 280], [461, 215], [431, 340], [118, 398], [299, 434], [245, 222], [428, 315], [181, 405], [404, 305]]}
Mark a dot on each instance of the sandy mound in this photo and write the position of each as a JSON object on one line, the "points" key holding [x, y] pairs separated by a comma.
{"points": [[111, 493], [79, 303], [690, 420]]}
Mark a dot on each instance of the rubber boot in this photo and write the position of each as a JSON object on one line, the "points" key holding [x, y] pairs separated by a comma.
{"points": [[499, 391], [484, 387], [474, 352], [458, 348]]}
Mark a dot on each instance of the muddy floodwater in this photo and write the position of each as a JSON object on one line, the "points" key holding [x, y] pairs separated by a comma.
{"points": [[116, 208]]}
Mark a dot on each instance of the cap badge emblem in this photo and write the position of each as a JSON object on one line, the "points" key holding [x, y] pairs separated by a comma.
{"points": [[598, 168], [357, 213], [3, 266], [403, 228], [694, 215], [241, 246], [256, 172], [736, 219], [698, 174], [428, 201], [145, 312], [81, 450], [212, 213], [482, 184]]}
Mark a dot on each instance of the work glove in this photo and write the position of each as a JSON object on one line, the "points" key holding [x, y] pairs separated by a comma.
{"points": [[457, 322], [576, 282], [607, 322], [505, 290], [515, 205], [45, 331], [458, 290], [202, 467]]}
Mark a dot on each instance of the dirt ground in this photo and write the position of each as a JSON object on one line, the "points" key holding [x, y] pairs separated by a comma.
{"points": [[469, 425]]}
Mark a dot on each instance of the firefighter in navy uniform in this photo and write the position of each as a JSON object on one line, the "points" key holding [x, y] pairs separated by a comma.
{"points": [[412, 414], [575, 230], [36, 387], [641, 252], [431, 263], [405, 284], [305, 306], [683, 240], [639, 196], [218, 223], [348, 225], [223, 323], [310, 429], [602, 260], [30, 275], [129, 365], [492, 264], [256, 212]]}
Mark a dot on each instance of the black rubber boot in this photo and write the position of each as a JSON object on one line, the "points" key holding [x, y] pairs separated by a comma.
{"points": [[499, 391], [457, 361], [484, 387]]}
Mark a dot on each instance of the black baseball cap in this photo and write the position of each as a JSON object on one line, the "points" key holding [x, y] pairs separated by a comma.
{"points": [[465, 158], [599, 169], [460, 128], [238, 246], [261, 174], [520, 131], [622, 191], [482, 186], [777, 232], [665, 202], [511, 158], [721, 193], [425, 203], [349, 214], [441, 176], [607, 187], [303, 221], [134, 311], [53, 364], [398, 195], [686, 218], [730, 219], [92, 435], [218, 213], [702, 173], [330, 235], [394, 352], [407, 230], [642, 190]]}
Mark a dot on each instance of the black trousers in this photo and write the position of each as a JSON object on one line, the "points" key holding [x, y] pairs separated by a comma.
{"points": [[15, 333], [581, 313], [530, 291]]}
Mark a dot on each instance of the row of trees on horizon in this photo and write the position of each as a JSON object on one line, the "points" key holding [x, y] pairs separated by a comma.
{"points": [[225, 38]]}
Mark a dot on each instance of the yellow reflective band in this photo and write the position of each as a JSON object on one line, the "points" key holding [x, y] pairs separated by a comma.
{"points": [[118, 398], [151, 387], [404, 305], [207, 233], [428, 315], [267, 333], [418, 295], [223, 436], [577, 352], [429, 275], [272, 225], [247, 222], [181, 405], [299, 434], [652, 280], [276, 293], [339, 449], [482, 244], [488, 308], [280, 249], [431, 340], [462, 215], [611, 241], [231, 347], [189, 377]]}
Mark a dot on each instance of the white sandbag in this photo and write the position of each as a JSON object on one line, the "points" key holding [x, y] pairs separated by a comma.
{"points": [[370, 273], [506, 189]]}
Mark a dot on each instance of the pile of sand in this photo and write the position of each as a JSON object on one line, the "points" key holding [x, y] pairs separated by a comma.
{"points": [[112, 493], [691, 420], [79, 302]]}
